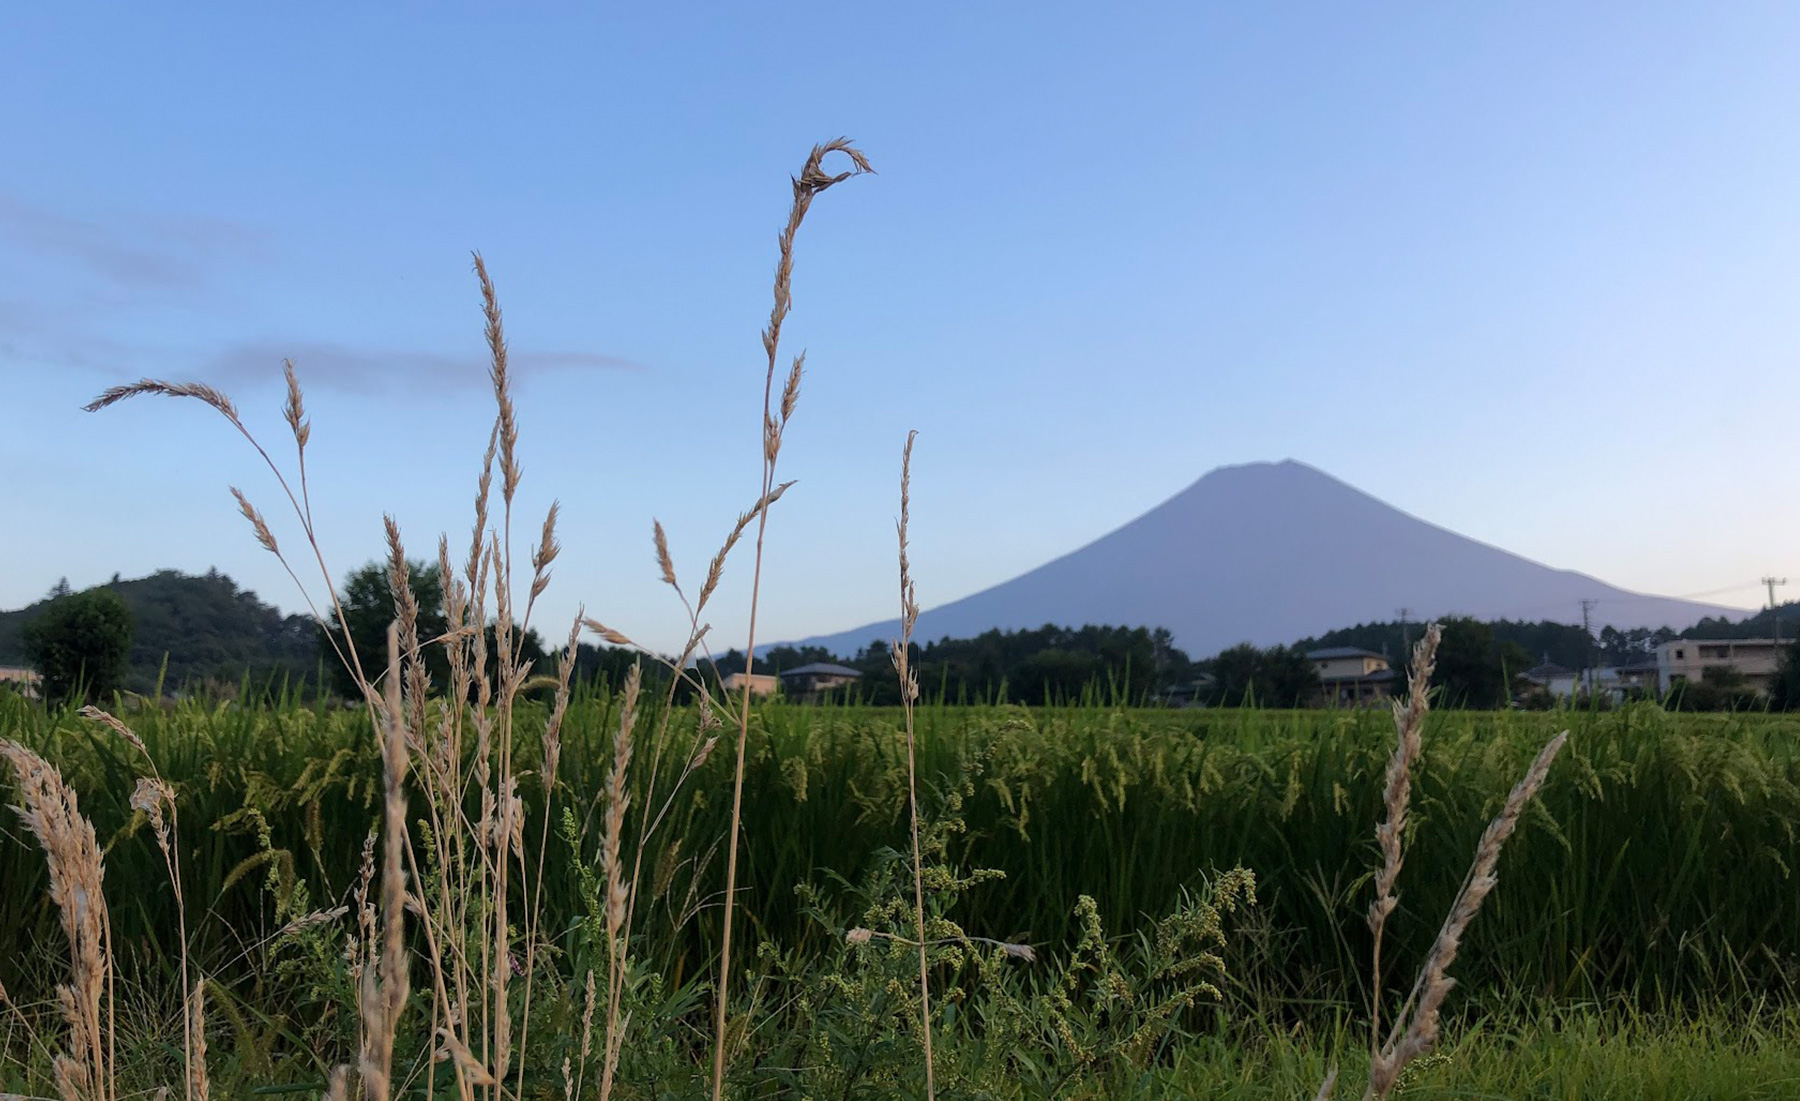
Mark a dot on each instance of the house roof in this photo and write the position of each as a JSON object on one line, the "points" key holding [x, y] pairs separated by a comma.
{"points": [[1331, 652], [821, 669], [1376, 677], [1547, 671]]}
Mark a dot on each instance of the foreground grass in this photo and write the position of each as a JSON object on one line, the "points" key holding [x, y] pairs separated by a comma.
{"points": [[1569, 1054], [1658, 867], [1654, 880], [1577, 1055]]}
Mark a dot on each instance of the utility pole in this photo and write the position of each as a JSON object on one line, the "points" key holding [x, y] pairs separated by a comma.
{"points": [[1405, 614], [1775, 619], [1587, 607]]}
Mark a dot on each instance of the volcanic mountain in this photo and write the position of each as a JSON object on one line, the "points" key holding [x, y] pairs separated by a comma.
{"points": [[1271, 552]]}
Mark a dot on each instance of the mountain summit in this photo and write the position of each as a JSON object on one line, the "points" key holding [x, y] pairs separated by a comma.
{"points": [[1271, 552]]}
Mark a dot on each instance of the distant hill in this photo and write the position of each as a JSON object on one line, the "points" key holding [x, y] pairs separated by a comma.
{"points": [[210, 630], [1271, 552]]}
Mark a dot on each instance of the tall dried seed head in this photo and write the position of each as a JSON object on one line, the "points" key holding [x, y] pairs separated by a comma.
{"points": [[548, 548], [506, 422], [257, 524], [107, 719], [617, 638], [790, 393], [196, 390], [294, 412], [664, 562], [50, 812]]}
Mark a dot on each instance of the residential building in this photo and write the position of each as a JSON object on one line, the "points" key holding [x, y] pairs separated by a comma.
{"points": [[761, 684], [1558, 680], [1687, 659], [1350, 677], [1612, 683], [26, 682], [1639, 675], [808, 680]]}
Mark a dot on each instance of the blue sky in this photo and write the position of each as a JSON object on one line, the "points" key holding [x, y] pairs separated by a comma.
{"points": [[1526, 271]]}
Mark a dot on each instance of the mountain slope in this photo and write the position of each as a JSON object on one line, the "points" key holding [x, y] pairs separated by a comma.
{"points": [[206, 627], [1271, 552]]}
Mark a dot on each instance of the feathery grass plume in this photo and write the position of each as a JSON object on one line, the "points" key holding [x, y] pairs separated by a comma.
{"points": [[1409, 720], [384, 986], [909, 695], [507, 425], [542, 556], [257, 523], [151, 796], [664, 563], [415, 680], [117, 726], [113, 395], [812, 180], [50, 812], [1415, 1028], [294, 412]]}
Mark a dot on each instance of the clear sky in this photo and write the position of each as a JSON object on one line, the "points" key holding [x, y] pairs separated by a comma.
{"points": [[1529, 271]]}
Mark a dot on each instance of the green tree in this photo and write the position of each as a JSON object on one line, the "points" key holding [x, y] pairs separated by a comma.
{"points": [[79, 645], [1720, 688], [369, 607], [1471, 667], [1277, 677]]}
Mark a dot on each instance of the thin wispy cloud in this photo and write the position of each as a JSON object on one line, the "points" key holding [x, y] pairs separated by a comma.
{"points": [[137, 251], [370, 371]]}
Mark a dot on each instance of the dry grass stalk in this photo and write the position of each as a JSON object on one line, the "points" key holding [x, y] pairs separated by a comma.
{"points": [[385, 985], [50, 812], [1415, 1029], [415, 681], [470, 957], [199, 1086], [294, 413], [1409, 721], [152, 796], [1327, 1086], [909, 695], [612, 865], [552, 747], [812, 180]]}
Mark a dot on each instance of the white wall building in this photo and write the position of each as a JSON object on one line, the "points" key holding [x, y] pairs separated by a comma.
{"points": [[1687, 659]]}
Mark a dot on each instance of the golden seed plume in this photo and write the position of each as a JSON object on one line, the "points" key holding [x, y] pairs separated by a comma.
{"points": [[663, 562], [294, 412], [257, 524], [196, 390]]}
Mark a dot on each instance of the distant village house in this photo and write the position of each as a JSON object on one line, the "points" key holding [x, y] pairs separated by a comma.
{"points": [[821, 676], [26, 682], [1758, 660], [1350, 677], [760, 684]]}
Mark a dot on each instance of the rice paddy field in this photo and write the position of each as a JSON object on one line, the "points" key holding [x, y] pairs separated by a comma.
{"points": [[1643, 940]]}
